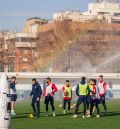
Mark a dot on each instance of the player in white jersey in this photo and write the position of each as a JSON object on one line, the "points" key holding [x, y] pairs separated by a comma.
{"points": [[102, 90], [49, 95]]}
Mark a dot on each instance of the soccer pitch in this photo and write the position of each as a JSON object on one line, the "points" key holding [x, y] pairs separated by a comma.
{"points": [[21, 121]]}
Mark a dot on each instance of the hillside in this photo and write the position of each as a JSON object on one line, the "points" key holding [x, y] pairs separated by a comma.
{"points": [[78, 47]]}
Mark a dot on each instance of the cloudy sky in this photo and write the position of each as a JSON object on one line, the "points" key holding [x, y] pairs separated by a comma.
{"points": [[13, 13]]}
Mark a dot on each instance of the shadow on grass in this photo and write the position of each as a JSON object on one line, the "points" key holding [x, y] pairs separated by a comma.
{"points": [[68, 114], [110, 114], [18, 117], [25, 115], [22, 115]]}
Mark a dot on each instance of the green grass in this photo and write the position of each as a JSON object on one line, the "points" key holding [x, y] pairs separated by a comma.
{"points": [[112, 121]]}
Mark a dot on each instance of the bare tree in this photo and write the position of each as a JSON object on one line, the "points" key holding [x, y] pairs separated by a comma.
{"points": [[92, 44], [7, 51]]}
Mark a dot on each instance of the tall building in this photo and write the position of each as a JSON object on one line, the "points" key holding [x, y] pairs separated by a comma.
{"points": [[102, 10], [7, 51], [32, 25], [25, 45], [25, 48], [104, 6]]}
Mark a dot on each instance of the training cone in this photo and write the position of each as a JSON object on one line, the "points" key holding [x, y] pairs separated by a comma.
{"points": [[30, 115]]}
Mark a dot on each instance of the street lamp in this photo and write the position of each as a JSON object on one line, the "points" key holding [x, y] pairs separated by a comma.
{"points": [[69, 57], [51, 60], [19, 58]]}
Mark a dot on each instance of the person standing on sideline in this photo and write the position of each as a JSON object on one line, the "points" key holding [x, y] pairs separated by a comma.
{"points": [[81, 92], [102, 89], [95, 99], [49, 95], [36, 95], [89, 95], [13, 94], [67, 95]]}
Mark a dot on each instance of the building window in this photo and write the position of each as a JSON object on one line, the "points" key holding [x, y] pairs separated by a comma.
{"points": [[11, 68], [30, 39], [25, 60], [116, 14], [25, 51], [24, 69], [19, 39], [1, 68]]}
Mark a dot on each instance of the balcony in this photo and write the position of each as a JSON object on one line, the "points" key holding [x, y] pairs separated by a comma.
{"points": [[25, 44]]}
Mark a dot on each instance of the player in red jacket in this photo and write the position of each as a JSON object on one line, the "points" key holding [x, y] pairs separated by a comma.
{"points": [[49, 95]]}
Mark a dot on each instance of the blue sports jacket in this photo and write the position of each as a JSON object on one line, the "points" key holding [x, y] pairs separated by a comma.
{"points": [[36, 90]]}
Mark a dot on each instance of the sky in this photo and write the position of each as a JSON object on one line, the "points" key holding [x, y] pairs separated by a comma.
{"points": [[13, 13]]}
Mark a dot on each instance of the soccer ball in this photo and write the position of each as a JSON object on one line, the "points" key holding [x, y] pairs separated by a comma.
{"points": [[87, 112], [60, 105], [73, 106]]}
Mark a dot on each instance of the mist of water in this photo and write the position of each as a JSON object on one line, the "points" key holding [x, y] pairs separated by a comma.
{"points": [[107, 61]]}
